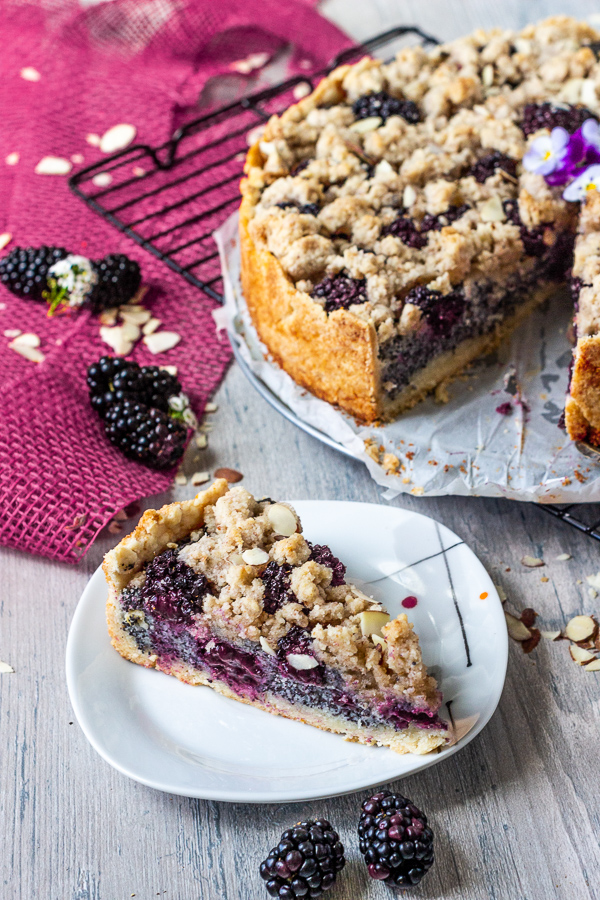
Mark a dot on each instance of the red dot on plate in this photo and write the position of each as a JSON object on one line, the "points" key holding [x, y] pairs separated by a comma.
{"points": [[409, 602]]}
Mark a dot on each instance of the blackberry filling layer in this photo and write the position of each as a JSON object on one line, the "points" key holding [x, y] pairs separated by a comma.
{"points": [[225, 591]]}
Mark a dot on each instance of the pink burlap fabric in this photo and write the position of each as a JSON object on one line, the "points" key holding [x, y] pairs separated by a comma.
{"points": [[142, 63]]}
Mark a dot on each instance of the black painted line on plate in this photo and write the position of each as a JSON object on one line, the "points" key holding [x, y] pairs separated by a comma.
{"points": [[455, 601], [410, 565]]}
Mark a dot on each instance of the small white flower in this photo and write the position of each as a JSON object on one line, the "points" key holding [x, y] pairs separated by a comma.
{"points": [[547, 152], [75, 275], [178, 402], [589, 180], [591, 132]]}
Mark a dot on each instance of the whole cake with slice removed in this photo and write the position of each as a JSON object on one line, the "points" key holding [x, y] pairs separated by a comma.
{"points": [[395, 224], [225, 591]]}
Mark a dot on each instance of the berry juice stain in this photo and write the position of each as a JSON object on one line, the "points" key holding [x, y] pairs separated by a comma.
{"points": [[409, 602]]}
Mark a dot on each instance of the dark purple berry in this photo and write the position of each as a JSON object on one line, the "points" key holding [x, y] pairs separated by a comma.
{"points": [[441, 311], [384, 105], [119, 279], [305, 863], [276, 580], [532, 238], [323, 555], [172, 590], [395, 840], [24, 271], [309, 209], [487, 165], [544, 115], [298, 641], [341, 291], [414, 234]]}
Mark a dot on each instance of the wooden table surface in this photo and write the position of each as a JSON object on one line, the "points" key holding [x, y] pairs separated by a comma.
{"points": [[516, 813]]}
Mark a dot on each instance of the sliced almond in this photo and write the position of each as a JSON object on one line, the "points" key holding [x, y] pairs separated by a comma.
{"points": [[551, 635], [93, 140], [532, 562], [302, 661], [365, 125], [200, 478], [230, 475], [580, 628], [172, 370], [372, 621], [487, 75], [30, 353], [266, 646], [5, 238], [588, 93], [255, 556], [12, 332], [28, 339], [130, 331], [180, 478], [492, 210], [115, 338], [102, 179], [236, 559], [562, 557], [282, 520], [594, 581], [109, 316], [201, 441], [210, 407], [30, 74], [383, 171], [77, 158], [137, 316], [301, 90], [53, 165], [516, 629], [151, 326], [161, 341], [117, 138], [12, 159], [409, 196], [138, 171], [377, 639], [5, 669], [580, 655], [593, 666]]}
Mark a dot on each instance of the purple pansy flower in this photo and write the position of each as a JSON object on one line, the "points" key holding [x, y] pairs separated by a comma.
{"points": [[589, 180], [548, 153]]}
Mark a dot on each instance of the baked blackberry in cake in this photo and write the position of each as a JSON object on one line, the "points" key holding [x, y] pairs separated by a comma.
{"points": [[432, 240], [224, 590]]}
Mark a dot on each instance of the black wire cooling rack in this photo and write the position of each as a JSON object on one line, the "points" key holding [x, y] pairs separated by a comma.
{"points": [[169, 199]]}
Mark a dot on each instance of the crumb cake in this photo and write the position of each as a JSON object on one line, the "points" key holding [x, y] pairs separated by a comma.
{"points": [[224, 590], [390, 233]]}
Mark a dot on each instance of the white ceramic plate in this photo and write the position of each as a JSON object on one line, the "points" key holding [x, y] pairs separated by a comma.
{"points": [[191, 741]]}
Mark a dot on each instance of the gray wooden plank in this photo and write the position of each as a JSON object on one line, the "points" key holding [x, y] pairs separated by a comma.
{"points": [[515, 813]]}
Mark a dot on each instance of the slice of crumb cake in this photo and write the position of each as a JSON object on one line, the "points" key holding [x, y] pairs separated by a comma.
{"points": [[224, 590]]}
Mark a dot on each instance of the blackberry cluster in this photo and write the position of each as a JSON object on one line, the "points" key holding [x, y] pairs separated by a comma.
{"points": [[306, 861], [172, 589], [486, 166], [544, 115], [441, 311], [323, 555], [395, 840], [276, 580], [532, 238], [414, 234], [341, 291], [119, 279], [134, 403], [384, 105], [24, 271]]}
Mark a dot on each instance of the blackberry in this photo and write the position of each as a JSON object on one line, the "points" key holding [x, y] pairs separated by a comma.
{"points": [[172, 589], [298, 642], [144, 410], [276, 580], [395, 840], [416, 237], [487, 165], [441, 311], [384, 105], [305, 862], [323, 555], [119, 279], [148, 435], [532, 238], [341, 291], [24, 271], [544, 115]]}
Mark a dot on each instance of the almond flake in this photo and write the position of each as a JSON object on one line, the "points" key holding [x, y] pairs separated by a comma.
{"points": [[117, 138], [551, 635], [594, 580], [501, 593], [377, 639], [30, 74], [172, 370], [200, 478], [26, 340], [180, 478], [593, 666], [383, 171], [562, 557], [12, 159], [532, 562], [579, 655], [108, 316], [115, 338], [302, 661], [30, 353], [266, 646], [210, 407], [130, 332], [53, 165], [138, 171], [93, 140], [492, 210], [102, 179], [201, 441], [365, 125], [12, 332], [5, 238], [77, 158], [588, 93], [161, 341], [254, 135], [282, 519], [255, 556], [301, 90], [372, 621], [137, 316], [516, 629], [5, 669], [409, 196], [580, 628], [487, 75], [151, 326], [230, 475]]}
